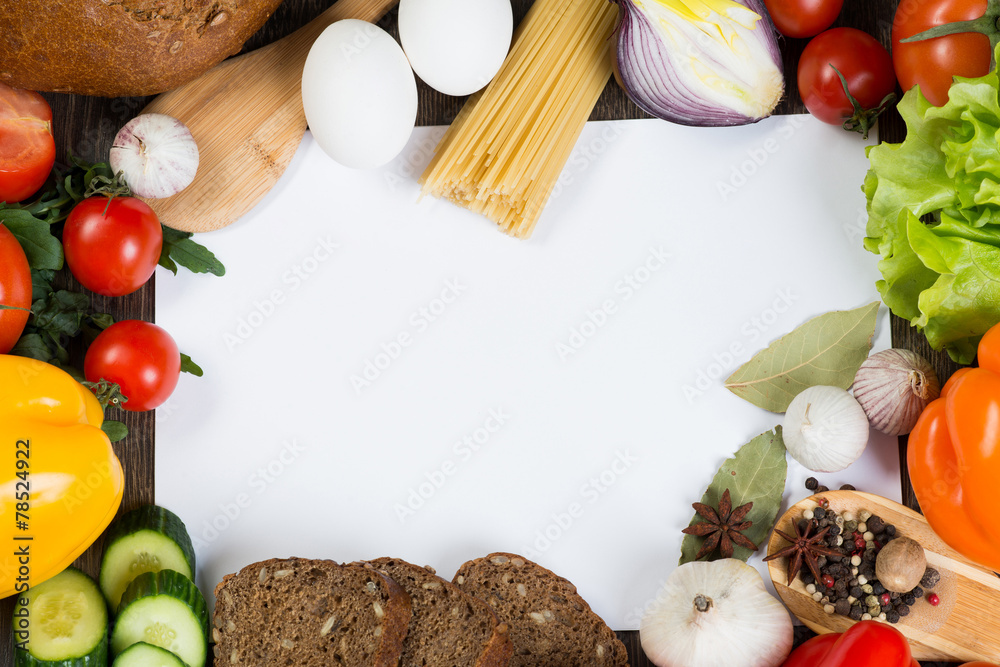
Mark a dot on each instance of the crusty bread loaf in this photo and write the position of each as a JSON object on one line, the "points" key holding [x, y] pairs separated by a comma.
{"points": [[550, 624], [449, 628], [121, 48], [309, 613]]}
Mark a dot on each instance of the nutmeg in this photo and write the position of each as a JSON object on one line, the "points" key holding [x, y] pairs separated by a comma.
{"points": [[900, 565]]}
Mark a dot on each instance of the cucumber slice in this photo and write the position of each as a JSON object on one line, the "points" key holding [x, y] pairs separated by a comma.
{"points": [[147, 539], [147, 655], [61, 622], [165, 609]]}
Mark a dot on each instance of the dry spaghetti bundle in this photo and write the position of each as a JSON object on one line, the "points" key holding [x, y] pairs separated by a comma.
{"points": [[504, 153]]}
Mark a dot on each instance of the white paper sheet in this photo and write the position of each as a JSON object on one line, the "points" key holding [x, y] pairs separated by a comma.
{"points": [[384, 377]]}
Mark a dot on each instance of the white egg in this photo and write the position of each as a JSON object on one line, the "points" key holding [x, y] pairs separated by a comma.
{"points": [[456, 46], [359, 94]]}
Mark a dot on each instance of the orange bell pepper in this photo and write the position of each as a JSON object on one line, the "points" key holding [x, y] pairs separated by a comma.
{"points": [[953, 457], [60, 481]]}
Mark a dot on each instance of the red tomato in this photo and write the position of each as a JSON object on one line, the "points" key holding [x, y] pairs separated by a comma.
{"points": [[932, 63], [112, 253], [15, 289], [803, 18], [865, 65], [864, 644], [139, 356], [27, 148]]}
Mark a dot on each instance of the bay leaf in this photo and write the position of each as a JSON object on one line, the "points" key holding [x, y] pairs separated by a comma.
{"points": [[826, 350], [756, 473]]}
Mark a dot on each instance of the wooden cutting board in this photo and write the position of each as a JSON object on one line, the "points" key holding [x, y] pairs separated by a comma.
{"points": [[246, 116], [964, 627]]}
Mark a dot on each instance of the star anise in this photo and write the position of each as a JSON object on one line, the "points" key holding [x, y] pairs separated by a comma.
{"points": [[722, 528], [804, 548]]}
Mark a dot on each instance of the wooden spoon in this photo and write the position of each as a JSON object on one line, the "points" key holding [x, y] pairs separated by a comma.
{"points": [[964, 627], [246, 116]]}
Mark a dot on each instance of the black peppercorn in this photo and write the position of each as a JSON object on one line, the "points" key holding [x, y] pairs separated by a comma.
{"points": [[877, 588], [847, 487], [856, 613], [819, 513], [875, 524], [903, 609], [834, 530], [909, 598], [931, 578], [857, 592], [812, 483], [807, 578], [890, 530], [821, 489], [843, 607], [803, 525], [892, 616], [917, 592]]}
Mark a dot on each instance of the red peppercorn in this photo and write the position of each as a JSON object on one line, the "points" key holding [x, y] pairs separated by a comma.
{"points": [[824, 503], [885, 599], [859, 543], [934, 599], [828, 581]]}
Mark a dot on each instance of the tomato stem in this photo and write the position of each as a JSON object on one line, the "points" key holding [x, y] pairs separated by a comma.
{"points": [[862, 120], [988, 24], [108, 393]]}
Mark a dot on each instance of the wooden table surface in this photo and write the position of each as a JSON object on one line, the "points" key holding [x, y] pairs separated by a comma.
{"points": [[86, 126]]}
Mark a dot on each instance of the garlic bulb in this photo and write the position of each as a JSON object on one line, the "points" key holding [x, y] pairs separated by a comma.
{"points": [[715, 614], [894, 386], [825, 429], [156, 154]]}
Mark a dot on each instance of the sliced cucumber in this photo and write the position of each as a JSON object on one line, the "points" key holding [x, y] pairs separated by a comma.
{"points": [[167, 610], [61, 622], [147, 655], [147, 539]]}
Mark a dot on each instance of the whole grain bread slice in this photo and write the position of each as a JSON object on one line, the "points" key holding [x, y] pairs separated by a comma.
{"points": [[449, 628], [550, 624], [309, 613]]}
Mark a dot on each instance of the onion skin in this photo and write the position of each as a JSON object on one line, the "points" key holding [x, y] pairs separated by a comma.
{"points": [[651, 73], [893, 387]]}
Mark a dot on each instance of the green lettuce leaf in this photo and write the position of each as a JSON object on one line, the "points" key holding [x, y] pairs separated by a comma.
{"points": [[934, 215]]}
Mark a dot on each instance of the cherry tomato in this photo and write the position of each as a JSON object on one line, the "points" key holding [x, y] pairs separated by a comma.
{"points": [[866, 67], [932, 63], [112, 253], [27, 148], [15, 289], [803, 18], [139, 356]]}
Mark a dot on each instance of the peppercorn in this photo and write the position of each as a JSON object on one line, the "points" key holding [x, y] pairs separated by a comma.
{"points": [[850, 526], [878, 588], [821, 489], [847, 487], [834, 529], [828, 581], [890, 530], [856, 613], [903, 609], [931, 578], [843, 607], [807, 578], [909, 598], [884, 599], [892, 616], [804, 524], [821, 562], [934, 599], [875, 524], [856, 591], [918, 592], [812, 483], [819, 513]]}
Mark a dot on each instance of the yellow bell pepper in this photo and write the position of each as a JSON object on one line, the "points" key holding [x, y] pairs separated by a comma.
{"points": [[60, 481]]}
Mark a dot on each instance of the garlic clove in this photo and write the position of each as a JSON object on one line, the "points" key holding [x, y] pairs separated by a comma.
{"points": [[893, 387], [825, 429], [156, 154]]}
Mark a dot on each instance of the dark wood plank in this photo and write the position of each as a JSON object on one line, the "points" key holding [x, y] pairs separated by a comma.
{"points": [[86, 127]]}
